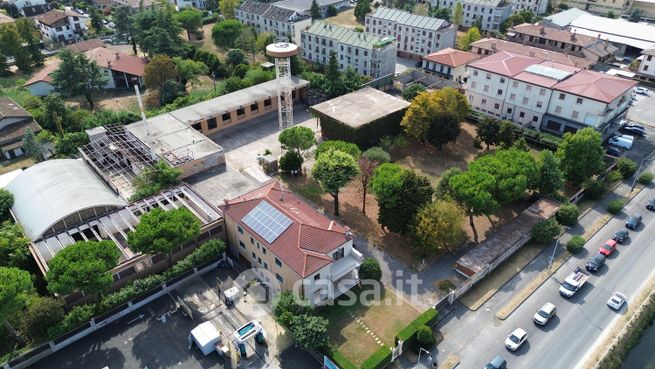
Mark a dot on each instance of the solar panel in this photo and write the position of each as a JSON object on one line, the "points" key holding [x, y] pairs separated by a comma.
{"points": [[268, 222]]}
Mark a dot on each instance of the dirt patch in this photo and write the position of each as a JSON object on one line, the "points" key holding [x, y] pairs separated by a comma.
{"points": [[7, 166], [345, 18], [207, 44]]}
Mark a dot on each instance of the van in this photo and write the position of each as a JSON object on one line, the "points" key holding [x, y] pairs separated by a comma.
{"points": [[621, 142], [497, 363]]}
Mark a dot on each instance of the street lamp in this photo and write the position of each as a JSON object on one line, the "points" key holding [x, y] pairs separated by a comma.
{"points": [[552, 257], [420, 350]]}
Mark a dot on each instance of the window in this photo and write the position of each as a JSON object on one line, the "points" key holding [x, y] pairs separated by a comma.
{"points": [[259, 260], [226, 117], [338, 254], [252, 241], [197, 127], [542, 92], [263, 249], [473, 84], [502, 80], [561, 96], [317, 277], [512, 96], [265, 265], [253, 255], [528, 87], [645, 67], [515, 84], [525, 100], [649, 58], [558, 109], [278, 262], [241, 112], [521, 114], [475, 72], [267, 103], [279, 278], [484, 101], [535, 118], [254, 107], [486, 88], [500, 92], [539, 104], [488, 76], [574, 115], [509, 110], [496, 106], [243, 245], [578, 101], [240, 229]]}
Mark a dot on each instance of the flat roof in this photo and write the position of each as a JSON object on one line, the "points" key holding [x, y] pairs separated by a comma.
{"points": [[345, 35], [408, 19], [620, 31], [304, 5], [565, 17], [361, 107], [173, 139], [219, 105]]}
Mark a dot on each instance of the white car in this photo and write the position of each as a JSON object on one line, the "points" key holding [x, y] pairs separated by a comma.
{"points": [[642, 91], [543, 316], [516, 339], [616, 301]]}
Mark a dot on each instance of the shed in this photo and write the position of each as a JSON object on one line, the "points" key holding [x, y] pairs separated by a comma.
{"points": [[206, 336]]}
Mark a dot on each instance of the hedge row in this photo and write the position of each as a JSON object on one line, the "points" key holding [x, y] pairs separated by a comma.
{"points": [[408, 334], [364, 136], [337, 357], [379, 359], [81, 314]]}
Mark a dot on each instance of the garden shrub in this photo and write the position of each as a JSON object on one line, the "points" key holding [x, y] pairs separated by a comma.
{"points": [[408, 334], [78, 316], [646, 178], [575, 244], [594, 189], [626, 166], [614, 176], [370, 269], [568, 214], [338, 358], [425, 337], [615, 206], [290, 161]]}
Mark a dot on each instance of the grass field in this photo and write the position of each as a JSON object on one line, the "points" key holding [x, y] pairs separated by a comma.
{"points": [[385, 318], [345, 18]]}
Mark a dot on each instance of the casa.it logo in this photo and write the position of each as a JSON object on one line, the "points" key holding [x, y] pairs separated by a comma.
{"points": [[256, 290]]}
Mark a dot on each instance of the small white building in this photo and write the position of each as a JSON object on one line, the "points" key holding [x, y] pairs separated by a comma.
{"points": [[29, 8], [366, 53], [646, 71], [62, 26], [417, 35], [449, 63], [181, 4]]}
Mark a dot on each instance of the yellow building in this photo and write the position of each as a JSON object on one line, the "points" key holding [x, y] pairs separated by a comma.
{"points": [[618, 7]]}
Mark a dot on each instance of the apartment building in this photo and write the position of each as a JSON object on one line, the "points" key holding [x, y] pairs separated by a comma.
{"points": [[492, 12], [646, 71], [136, 5], [449, 63], [541, 94], [269, 17], [593, 48], [416, 35], [291, 244], [535, 6], [62, 26], [30, 8], [600, 7], [366, 53]]}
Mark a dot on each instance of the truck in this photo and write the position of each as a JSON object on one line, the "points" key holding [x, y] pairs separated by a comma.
{"points": [[573, 282]]}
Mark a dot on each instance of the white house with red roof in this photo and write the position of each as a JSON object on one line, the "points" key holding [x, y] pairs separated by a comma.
{"points": [[272, 229], [540, 94], [449, 63]]}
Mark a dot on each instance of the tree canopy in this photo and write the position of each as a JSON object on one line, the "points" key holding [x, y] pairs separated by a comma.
{"points": [[227, 8], [438, 227], [84, 266], [412, 91], [14, 249], [225, 33], [6, 202], [297, 138], [473, 191], [315, 11], [155, 179], [344, 146], [370, 269], [472, 35], [15, 289], [77, 75], [514, 172], [550, 176], [310, 331], [160, 69], [334, 169], [158, 32], [581, 155], [190, 19], [488, 130], [458, 14], [362, 8]]}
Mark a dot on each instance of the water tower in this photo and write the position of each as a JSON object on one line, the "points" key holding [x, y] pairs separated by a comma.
{"points": [[282, 50]]}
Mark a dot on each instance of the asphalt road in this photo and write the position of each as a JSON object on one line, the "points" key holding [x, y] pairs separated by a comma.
{"points": [[581, 319]]}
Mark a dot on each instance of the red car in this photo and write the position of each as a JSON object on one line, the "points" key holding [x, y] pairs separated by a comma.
{"points": [[608, 248]]}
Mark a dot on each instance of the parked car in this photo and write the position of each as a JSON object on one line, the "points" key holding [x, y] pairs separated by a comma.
{"points": [[621, 235], [516, 339], [642, 91], [543, 315], [635, 126], [595, 263], [616, 300], [608, 248], [633, 131], [633, 222], [497, 363], [651, 204], [620, 142], [613, 150]]}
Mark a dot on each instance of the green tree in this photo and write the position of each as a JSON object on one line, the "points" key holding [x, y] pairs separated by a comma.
{"points": [[31, 146], [506, 134], [84, 266], [550, 177], [291, 161], [478, 23], [169, 91], [412, 91], [458, 14], [332, 70], [438, 227], [442, 13], [626, 166], [30, 34], [546, 230], [155, 179], [160, 231], [228, 7], [568, 214], [55, 113], [444, 191], [95, 19], [190, 19], [189, 70], [236, 57], [362, 8], [472, 35], [334, 169], [442, 110], [331, 11], [225, 33], [15, 289], [297, 138], [70, 142], [400, 194], [264, 39], [443, 129], [14, 250], [286, 305], [611, 14], [11, 44], [41, 314], [247, 42], [635, 16], [473, 191], [488, 130], [158, 32], [521, 144], [425, 338], [514, 172], [309, 331], [6, 202], [160, 69], [314, 11], [344, 146], [122, 21], [77, 75], [370, 270], [421, 9], [368, 162], [581, 155]]}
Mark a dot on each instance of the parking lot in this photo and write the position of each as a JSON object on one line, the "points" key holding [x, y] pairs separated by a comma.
{"points": [[641, 113], [142, 340]]}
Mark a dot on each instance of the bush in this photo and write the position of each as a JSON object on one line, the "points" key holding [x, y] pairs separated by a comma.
{"points": [[614, 176], [626, 166], [646, 178], [615, 206], [546, 230], [41, 314], [78, 316], [477, 143], [594, 189], [370, 269], [568, 214], [575, 244], [446, 285], [379, 359], [290, 161], [408, 334], [425, 337], [376, 153], [347, 147]]}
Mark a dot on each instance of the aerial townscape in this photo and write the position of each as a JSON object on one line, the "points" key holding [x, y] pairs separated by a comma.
{"points": [[336, 184]]}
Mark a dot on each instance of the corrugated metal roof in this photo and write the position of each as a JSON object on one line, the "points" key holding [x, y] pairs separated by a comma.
{"points": [[343, 34], [408, 19]]}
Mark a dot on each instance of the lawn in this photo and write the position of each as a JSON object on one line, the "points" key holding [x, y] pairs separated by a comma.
{"points": [[385, 317], [345, 18]]}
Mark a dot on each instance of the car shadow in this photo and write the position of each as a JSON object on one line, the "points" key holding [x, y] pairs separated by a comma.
{"points": [[552, 324], [626, 242], [523, 350], [602, 270], [580, 295]]}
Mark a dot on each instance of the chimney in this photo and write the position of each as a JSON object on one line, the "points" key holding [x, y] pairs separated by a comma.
{"points": [[542, 30], [118, 56], [108, 63], [493, 46], [573, 36], [331, 225]]}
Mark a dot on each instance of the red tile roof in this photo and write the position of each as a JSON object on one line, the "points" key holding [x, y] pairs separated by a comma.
{"points": [[451, 57], [44, 74], [305, 246], [85, 46], [494, 45], [53, 16], [118, 61], [505, 63], [553, 34], [596, 86]]}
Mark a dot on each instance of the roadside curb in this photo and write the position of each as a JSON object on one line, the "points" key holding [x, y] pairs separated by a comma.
{"points": [[542, 277]]}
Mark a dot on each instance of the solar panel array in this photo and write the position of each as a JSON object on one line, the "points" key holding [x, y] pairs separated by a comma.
{"points": [[268, 222]]}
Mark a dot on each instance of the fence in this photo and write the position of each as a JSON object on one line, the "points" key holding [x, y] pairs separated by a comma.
{"points": [[40, 352]]}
